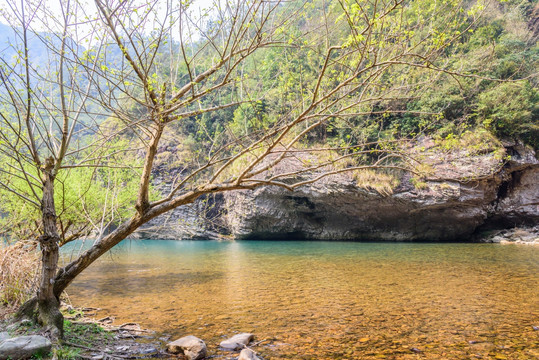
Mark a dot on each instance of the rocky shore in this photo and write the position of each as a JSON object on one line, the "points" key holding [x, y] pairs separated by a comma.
{"points": [[465, 195], [87, 337], [523, 236]]}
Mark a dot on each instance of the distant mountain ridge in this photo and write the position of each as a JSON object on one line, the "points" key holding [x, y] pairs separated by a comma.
{"points": [[11, 43]]}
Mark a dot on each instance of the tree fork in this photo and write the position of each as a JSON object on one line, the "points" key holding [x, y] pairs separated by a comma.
{"points": [[143, 203]]}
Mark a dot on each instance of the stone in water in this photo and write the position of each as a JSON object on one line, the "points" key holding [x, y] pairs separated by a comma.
{"points": [[236, 342], [248, 354], [191, 346]]}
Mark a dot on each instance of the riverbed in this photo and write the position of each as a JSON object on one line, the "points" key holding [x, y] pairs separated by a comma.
{"points": [[327, 300]]}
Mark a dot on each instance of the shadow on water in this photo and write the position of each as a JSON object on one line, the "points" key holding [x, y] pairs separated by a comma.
{"points": [[130, 280]]}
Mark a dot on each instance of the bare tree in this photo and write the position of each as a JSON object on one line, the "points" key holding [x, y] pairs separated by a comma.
{"points": [[157, 65], [45, 113]]}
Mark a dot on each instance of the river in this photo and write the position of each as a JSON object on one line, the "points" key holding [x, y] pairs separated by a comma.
{"points": [[327, 300]]}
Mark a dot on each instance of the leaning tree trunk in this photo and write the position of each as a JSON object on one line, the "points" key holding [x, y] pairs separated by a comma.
{"points": [[45, 307]]}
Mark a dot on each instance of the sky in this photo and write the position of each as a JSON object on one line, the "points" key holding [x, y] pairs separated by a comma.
{"points": [[54, 7]]}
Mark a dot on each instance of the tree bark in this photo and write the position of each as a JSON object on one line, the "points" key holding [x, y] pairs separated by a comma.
{"points": [[67, 274], [143, 202], [48, 304]]}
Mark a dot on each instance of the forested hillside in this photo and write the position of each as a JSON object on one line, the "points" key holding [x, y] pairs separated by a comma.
{"points": [[490, 84]]}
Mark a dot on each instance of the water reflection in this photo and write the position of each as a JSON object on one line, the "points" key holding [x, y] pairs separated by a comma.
{"points": [[328, 300]]}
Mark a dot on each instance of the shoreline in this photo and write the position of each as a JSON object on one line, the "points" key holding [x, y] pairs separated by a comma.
{"points": [[526, 235], [87, 337]]}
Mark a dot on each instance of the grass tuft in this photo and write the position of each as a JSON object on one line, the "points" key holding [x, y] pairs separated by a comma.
{"points": [[383, 182], [19, 270]]}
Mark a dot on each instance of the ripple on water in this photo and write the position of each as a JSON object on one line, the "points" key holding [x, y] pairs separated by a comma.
{"points": [[328, 300]]}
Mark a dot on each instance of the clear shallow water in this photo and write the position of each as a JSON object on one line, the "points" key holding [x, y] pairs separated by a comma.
{"points": [[327, 300]]}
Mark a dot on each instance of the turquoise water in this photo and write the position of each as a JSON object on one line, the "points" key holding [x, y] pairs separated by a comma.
{"points": [[327, 300]]}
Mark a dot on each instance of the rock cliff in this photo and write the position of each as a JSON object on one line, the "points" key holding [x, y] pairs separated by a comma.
{"points": [[465, 195]]}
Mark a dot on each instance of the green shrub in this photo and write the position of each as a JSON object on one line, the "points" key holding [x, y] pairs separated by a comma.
{"points": [[511, 110]]}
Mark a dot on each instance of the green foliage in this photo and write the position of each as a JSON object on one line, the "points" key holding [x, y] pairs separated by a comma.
{"points": [[67, 353], [511, 110], [487, 40], [249, 118], [87, 199], [86, 334], [82, 330], [472, 142], [41, 355], [487, 34], [501, 47], [418, 183]]}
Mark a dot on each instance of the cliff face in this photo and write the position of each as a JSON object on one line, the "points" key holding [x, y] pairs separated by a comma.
{"points": [[517, 199], [340, 210], [445, 207]]}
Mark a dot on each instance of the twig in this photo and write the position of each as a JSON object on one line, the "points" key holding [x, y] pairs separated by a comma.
{"points": [[85, 322], [84, 357], [79, 346], [128, 324], [258, 342], [90, 309], [254, 344]]}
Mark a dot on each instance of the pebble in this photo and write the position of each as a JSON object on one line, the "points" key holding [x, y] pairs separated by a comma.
{"points": [[191, 346], [248, 354], [236, 342]]}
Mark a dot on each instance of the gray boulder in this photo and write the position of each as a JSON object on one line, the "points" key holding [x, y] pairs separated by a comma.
{"points": [[23, 347], [248, 354], [521, 235], [236, 342], [4, 336], [191, 346]]}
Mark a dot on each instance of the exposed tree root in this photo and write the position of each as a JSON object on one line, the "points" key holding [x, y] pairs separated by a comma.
{"points": [[26, 311], [45, 313]]}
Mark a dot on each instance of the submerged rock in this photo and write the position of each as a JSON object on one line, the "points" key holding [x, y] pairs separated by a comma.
{"points": [[248, 354], [236, 342], [23, 347], [191, 346]]}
